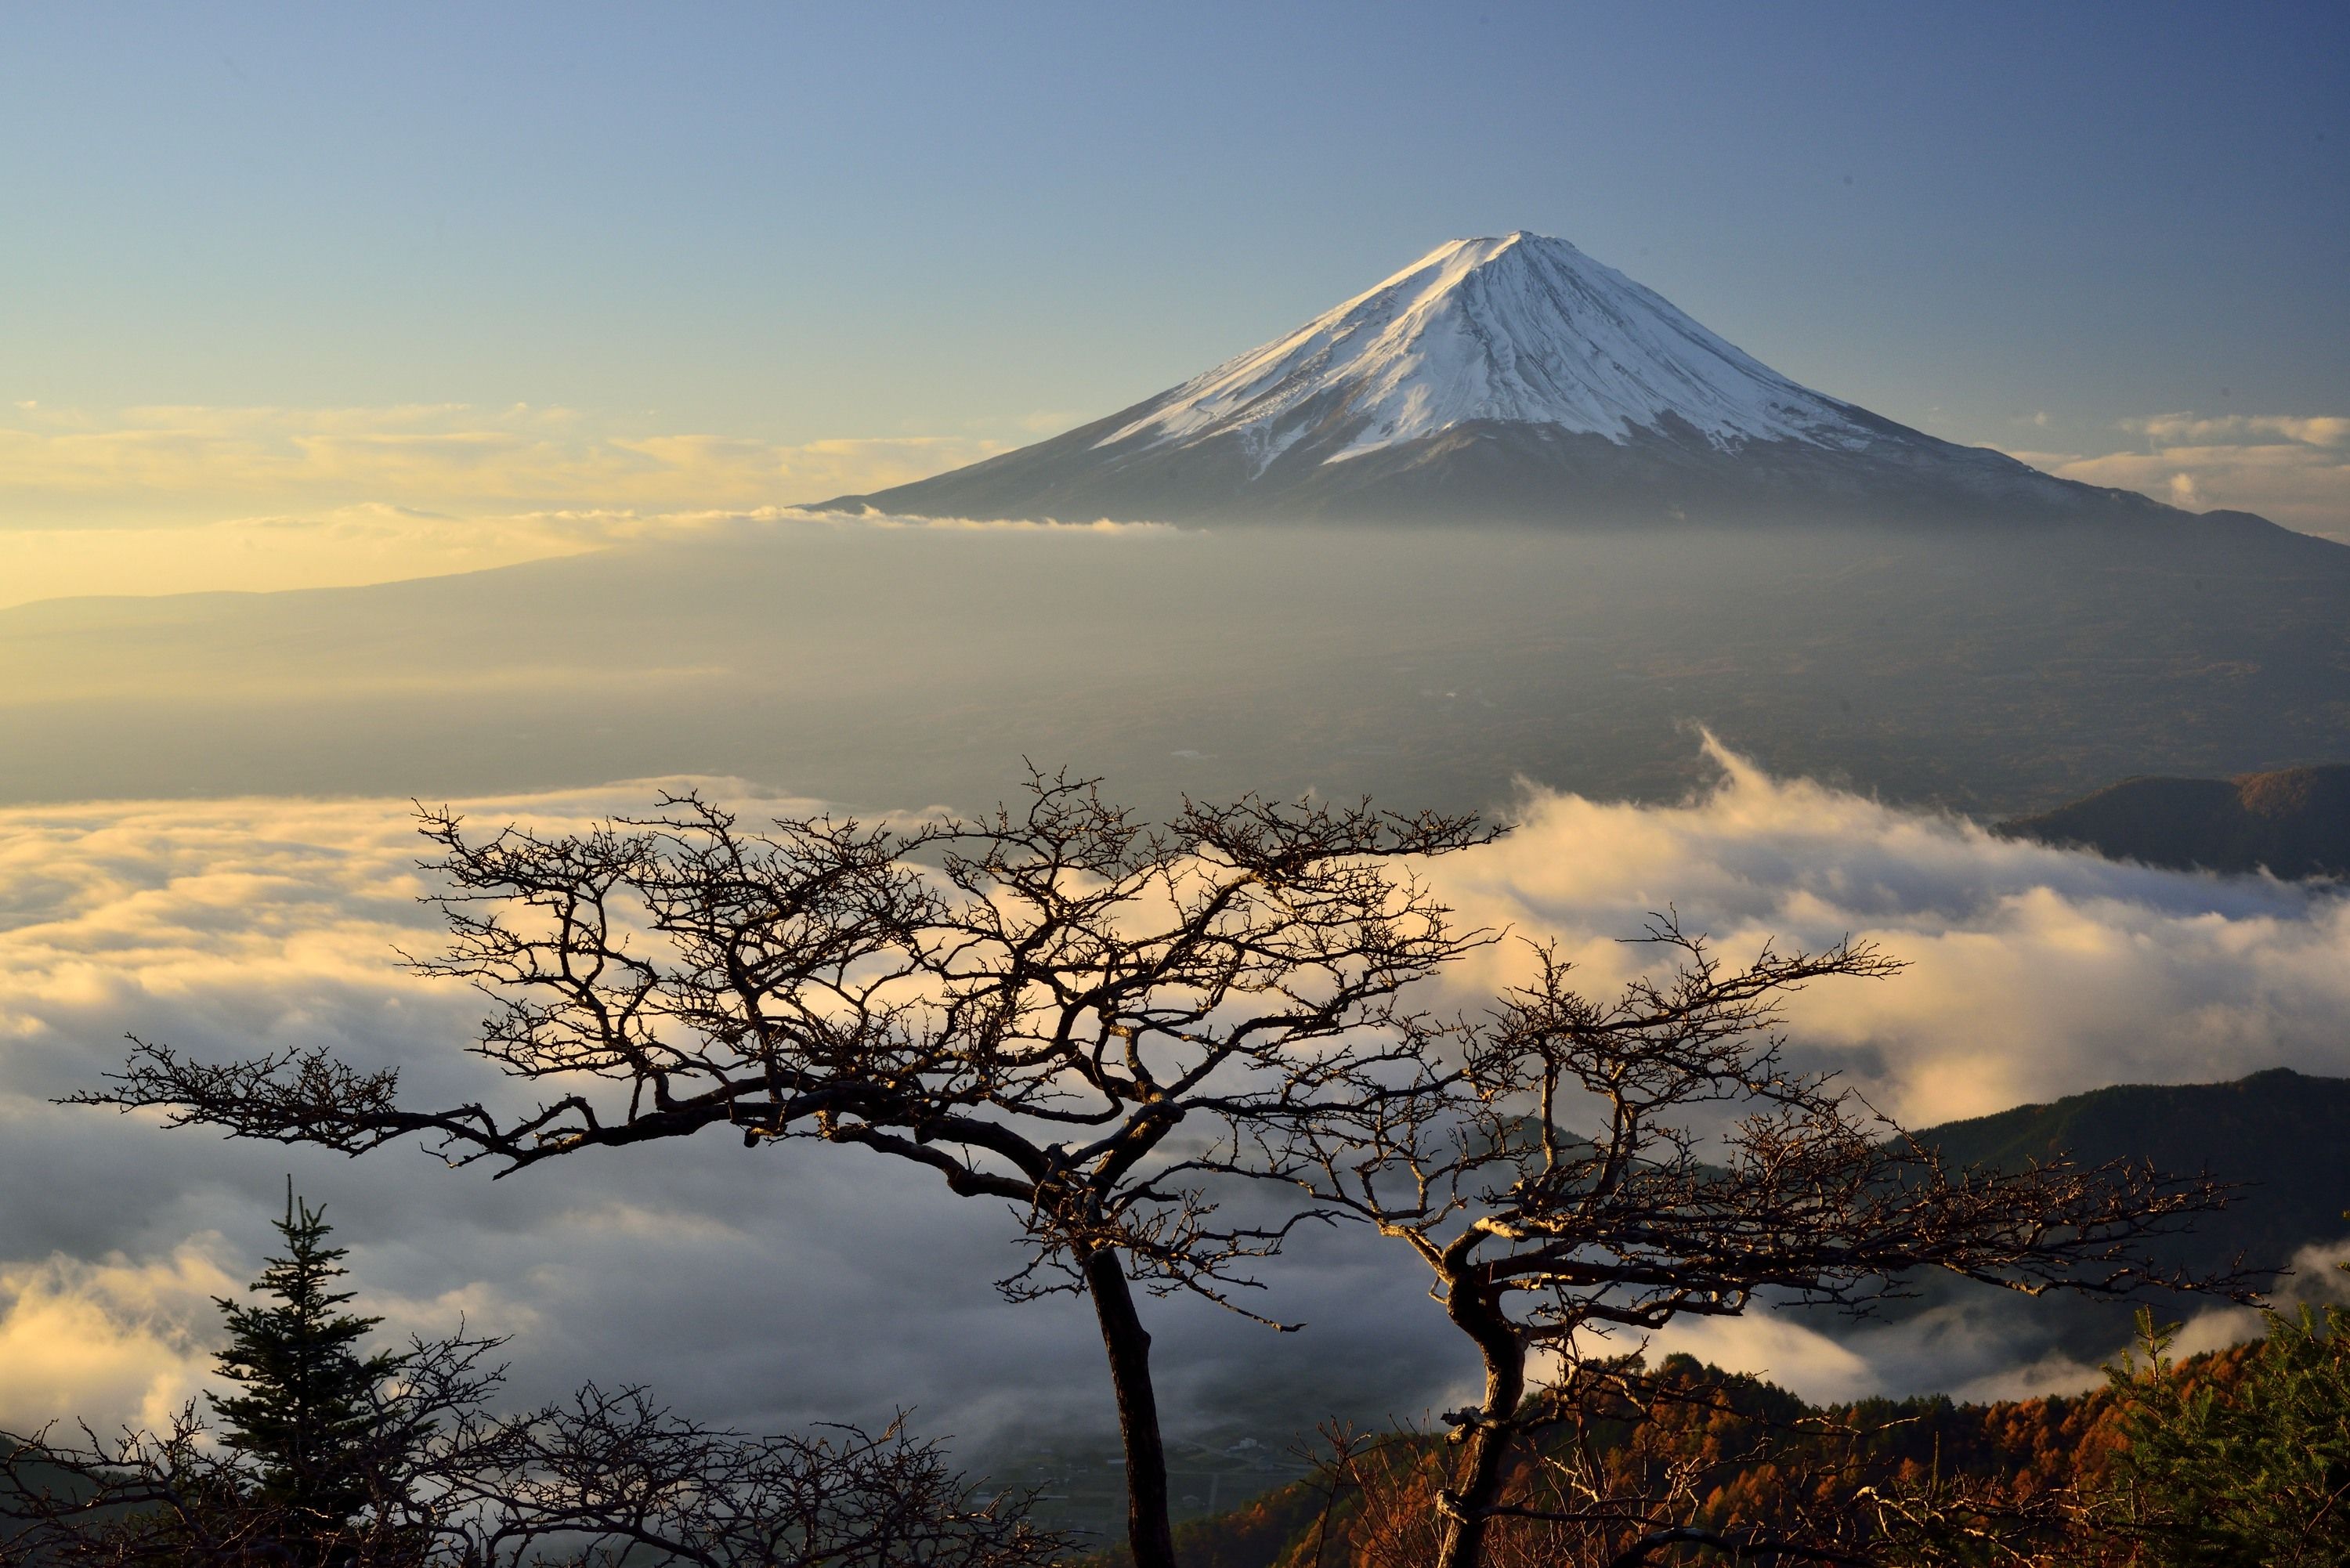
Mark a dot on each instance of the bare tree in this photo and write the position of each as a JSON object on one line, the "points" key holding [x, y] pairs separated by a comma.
{"points": [[128, 1500], [611, 1477], [1571, 1170], [1037, 1017], [185, 1495], [333, 1457], [601, 1480]]}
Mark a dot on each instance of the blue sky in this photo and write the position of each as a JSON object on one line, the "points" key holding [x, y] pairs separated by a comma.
{"points": [[2025, 225]]}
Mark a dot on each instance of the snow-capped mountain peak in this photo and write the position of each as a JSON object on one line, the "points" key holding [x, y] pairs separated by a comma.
{"points": [[1519, 329], [1510, 378]]}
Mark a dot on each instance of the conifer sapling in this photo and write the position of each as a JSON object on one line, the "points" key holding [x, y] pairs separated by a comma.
{"points": [[310, 1412]]}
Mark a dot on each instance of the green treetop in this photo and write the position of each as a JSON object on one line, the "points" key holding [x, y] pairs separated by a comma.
{"points": [[311, 1412], [2252, 1475]]}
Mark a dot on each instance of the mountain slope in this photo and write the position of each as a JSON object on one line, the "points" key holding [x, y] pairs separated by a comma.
{"points": [[2285, 1134], [2295, 821], [1510, 378], [1519, 330]]}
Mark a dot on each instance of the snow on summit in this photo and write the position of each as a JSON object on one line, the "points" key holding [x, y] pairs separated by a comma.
{"points": [[1520, 329], [1508, 379]]}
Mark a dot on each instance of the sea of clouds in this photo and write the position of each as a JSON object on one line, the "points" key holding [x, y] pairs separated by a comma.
{"points": [[775, 1286]]}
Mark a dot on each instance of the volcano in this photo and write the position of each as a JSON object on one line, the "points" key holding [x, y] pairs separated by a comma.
{"points": [[1501, 380]]}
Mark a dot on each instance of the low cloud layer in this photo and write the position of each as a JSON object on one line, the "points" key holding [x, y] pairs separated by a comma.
{"points": [[354, 545], [771, 1285], [2035, 972], [180, 499]]}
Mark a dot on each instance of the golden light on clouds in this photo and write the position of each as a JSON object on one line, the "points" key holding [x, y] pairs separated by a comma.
{"points": [[245, 926], [2035, 972], [157, 499], [165, 500], [126, 1338], [429, 457]]}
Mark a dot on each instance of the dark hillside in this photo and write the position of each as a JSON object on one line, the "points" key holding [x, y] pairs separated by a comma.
{"points": [[2285, 1133], [2295, 821]]}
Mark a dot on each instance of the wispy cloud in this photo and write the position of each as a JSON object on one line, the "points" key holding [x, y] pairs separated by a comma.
{"points": [[2294, 469], [373, 543], [446, 457], [110, 1336], [2189, 429], [150, 500]]}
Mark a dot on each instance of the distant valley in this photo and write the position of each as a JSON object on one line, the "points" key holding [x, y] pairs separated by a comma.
{"points": [[1996, 674]]}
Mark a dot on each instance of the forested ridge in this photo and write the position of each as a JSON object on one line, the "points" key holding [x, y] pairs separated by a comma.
{"points": [[2037, 1480]]}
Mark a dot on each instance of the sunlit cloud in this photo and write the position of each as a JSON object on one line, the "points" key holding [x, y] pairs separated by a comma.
{"points": [[2034, 973], [349, 546], [153, 500], [2192, 430], [233, 927], [109, 1336], [2293, 470], [1968, 1356], [444, 457], [372, 542]]}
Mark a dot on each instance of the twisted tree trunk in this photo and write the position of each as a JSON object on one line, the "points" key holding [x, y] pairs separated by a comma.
{"points": [[1148, 1530], [1486, 1438]]}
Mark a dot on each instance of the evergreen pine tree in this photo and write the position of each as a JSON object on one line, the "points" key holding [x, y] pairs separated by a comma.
{"points": [[309, 1415], [2248, 1473]]}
